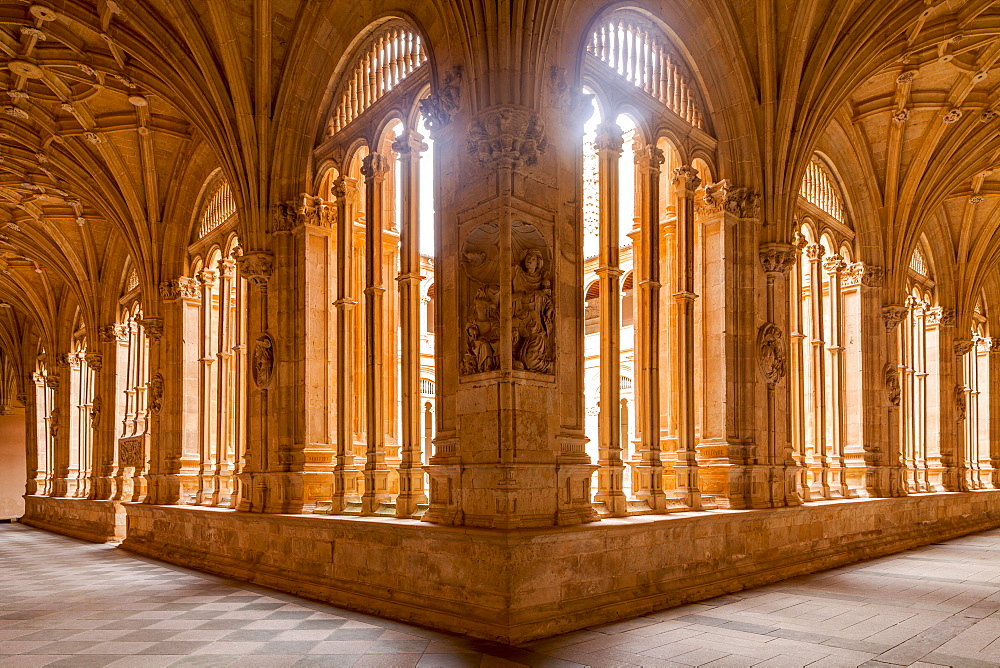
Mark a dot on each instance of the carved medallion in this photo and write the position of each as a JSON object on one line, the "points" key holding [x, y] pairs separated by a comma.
{"points": [[263, 361], [771, 353]]}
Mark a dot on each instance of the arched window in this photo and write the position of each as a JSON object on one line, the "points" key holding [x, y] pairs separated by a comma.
{"points": [[220, 208], [383, 190], [633, 236], [820, 189]]}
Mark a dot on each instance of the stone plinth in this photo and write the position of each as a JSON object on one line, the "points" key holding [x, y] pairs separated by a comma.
{"points": [[96, 521], [521, 585]]}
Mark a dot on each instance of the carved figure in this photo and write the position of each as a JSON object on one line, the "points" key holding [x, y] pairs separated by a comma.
{"points": [[960, 402], [533, 314], [892, 389], [95, 412], [482, 331], [156, 394], [263, 361], [54, 423]]}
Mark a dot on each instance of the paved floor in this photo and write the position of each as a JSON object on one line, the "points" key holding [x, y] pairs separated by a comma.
{"points": [[69, 603]]}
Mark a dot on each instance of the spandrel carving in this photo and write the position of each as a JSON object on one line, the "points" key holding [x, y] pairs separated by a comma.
{"points": [[482, 320], [531, 292]]}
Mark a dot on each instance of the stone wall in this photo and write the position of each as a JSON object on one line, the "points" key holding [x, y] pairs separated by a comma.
{"points": [[97, 521], [12, 454], [520, 585]]}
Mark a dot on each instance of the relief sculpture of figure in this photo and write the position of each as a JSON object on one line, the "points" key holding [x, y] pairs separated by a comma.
{"points": [[483, 332], [533, 314]]}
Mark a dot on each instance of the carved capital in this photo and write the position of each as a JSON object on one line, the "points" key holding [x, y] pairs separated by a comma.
{"points": [[257, 267], [776, 259], [507, 138], [52, 381], [648, 159], [375, 166], [438, 108], [409, 142], [109, 333], [153, 327], [815, 252], [576, 107], [339, 189], [893, 315], [941, 316], [95, 361], [834, 264], [308, 210], [609, 138], [181, 288], [685, 177], [963, 347], [873, 277], [723, 196]]}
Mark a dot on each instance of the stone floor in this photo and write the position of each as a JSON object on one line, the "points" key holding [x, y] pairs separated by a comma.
{"points": [[69, 603]]}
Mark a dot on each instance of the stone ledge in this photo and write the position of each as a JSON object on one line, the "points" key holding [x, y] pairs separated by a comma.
{"points": [[94, 521], [517, 586]]}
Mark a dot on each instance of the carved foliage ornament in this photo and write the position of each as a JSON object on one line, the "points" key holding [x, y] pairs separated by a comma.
{"points": [[893, 391], [153, 327], [962, 347], [507, 138], [95, 361], [938, 315], [262, 363], [893, 315], [777, 258], [182, 288], [722, 196], [256, 267], [439, 108], [308, 211], [771, 353]]}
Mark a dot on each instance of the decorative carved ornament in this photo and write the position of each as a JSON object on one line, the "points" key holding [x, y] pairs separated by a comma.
{"points": [[901, 116], [722, 196], [52, 380], [533, 314], [156, 393], [686, 176], [893, 392], [153, 327], [409, 142], [906, 77], [771, 353], [575, 105], [873, 277], [440, 107], [963, 347], [507, 138], [257, 267], [953, 116], [95, 412], [181, 288], [988, 116], [131, 452], [776, 259], [481, 265], [834, 264], [893, 315], [262, 363], [95, 361], [648, 158], [609, 138], [938, 315], [54, 417], [375, 166], [959, 402], [308, 211], [815, 252]]}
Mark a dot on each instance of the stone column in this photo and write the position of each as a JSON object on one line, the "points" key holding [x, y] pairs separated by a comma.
{"points": [[345, 473], [610, 474], [648, 485], [820, 484], [834, 266], [797, 388], [375, 168], [994, 409], [225, 401], [95, 362], [685, 181], [253, 482], [149, 408], [894, 379], [411, 473], [208, 408], [945, 455], [780, 467]]}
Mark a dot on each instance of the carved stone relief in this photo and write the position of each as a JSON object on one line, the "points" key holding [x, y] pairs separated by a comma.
{"points": [[439, 108], [182, 288], [256, 267], [95, 361], [54, 423], [960, 402], [95, 412], [722, 196], [263, 361], [893, 391], [531, 291], [776, 258], [575, 105], [771, 353], [153, 327], [131, 452], [893, 315], [156, 394], [507, 138], [962, 346], [481, 267]]}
